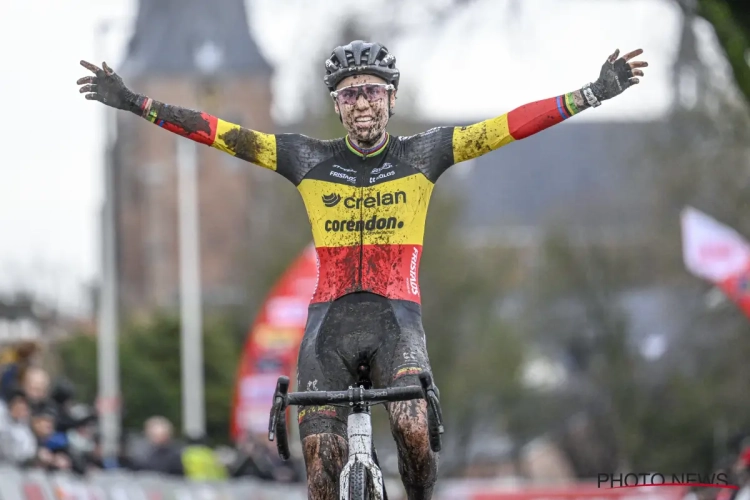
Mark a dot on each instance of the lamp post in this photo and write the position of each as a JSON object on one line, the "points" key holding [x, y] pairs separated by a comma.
{"points": [[207, 59], [108, 368]]}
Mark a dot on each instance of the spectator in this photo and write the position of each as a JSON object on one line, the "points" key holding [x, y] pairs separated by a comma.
{"points": [[726, 493], [200, 462], [93, 459], [12, 373], [35, 384], [17, 443], [164, 455], [70, 415], [259, 458], [741, 471], [4, 415], [51, 453]]}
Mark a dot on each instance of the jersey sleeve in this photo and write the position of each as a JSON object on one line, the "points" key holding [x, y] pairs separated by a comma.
{"points": [[250, 145], [291, 155], [430, 152], [297, 154], [488, 135]]}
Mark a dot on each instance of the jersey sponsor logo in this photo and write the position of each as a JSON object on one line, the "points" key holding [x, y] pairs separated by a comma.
{"points": [[381, 176], [331, 200], [380, 199], [386, 166], [346, 177], [344, 169], [412, 281], [374, 223]]}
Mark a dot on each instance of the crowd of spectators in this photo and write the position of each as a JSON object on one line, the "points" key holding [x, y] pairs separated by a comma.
{"points": [[42, 425]]}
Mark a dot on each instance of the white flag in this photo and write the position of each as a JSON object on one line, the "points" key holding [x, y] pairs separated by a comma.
{"points": [[710, 249]]}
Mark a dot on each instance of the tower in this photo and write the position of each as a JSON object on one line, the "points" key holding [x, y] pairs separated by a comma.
{"points": [[198, 55]]}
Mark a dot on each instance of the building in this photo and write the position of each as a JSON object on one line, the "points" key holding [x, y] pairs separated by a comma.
{"points": [[196, 55]]}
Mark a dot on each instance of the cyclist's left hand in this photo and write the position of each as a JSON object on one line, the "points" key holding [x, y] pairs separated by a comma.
{"points": [[618, 74]]}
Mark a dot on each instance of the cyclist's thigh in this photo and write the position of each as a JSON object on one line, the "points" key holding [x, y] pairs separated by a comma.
{"points": [[403, 354], [320, 369]]}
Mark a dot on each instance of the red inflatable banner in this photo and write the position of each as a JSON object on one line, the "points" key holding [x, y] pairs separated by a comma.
{"points": [[272, 345]]}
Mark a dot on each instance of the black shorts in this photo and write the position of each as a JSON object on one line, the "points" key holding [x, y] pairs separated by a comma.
{"points": [[362, 327]]}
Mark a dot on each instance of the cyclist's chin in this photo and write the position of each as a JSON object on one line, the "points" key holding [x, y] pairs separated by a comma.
{"points": [[366, 134]]}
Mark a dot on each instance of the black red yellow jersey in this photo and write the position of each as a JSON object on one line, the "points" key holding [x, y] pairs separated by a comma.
{"points": [[367, 211]]}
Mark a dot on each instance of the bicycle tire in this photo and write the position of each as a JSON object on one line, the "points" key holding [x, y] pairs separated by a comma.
{"points": [[358, 482]]}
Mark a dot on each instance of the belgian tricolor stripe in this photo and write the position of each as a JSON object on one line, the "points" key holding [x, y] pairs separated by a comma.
{"points": [[250, 145], [524, 121]]}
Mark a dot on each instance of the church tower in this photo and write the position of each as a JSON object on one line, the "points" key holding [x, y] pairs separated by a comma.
{"points": [[199, 55]]}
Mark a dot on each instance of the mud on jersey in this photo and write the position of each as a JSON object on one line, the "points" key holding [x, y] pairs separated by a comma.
{"points": [[367, 212]]}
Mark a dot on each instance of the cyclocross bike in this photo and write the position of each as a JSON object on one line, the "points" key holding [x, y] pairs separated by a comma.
{"points": [[361, 478]]}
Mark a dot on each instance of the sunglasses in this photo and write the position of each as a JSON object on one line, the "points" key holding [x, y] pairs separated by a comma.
{"points": [[371, 91]]}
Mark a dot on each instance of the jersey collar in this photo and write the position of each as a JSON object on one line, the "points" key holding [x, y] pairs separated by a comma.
{"points": [[366, 153]]}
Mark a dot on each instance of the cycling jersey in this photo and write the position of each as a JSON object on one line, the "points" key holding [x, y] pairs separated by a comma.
{"points": [[367, 210]]}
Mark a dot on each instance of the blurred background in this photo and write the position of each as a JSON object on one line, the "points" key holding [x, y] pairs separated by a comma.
{"points": [[566, 333]]}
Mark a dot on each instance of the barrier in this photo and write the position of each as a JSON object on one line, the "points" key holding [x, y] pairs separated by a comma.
{"points": [[40, 485], [32, 484], [494, 490]]}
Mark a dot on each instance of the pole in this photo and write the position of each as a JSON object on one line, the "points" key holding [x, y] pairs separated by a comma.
{"points": [[108, 370], [193, 411]]}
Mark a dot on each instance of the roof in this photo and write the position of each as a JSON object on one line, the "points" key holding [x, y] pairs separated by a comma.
{"points": [[178, 37], [585, 174]]}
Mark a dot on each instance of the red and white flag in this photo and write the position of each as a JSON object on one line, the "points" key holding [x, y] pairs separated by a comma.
{"points": [[717, 253]]}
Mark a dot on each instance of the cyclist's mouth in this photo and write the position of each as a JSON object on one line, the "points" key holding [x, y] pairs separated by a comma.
{"points": [[364, 120]]}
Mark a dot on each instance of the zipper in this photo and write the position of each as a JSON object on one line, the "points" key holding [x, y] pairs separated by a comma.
{"points": [[361, 182]]}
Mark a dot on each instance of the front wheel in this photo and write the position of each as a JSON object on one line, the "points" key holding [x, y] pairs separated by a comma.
{"points": [[358, 482]]}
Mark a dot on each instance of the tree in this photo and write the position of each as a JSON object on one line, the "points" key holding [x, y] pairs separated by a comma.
{"points": [[476, 357], [731, 22], [150, 372]]}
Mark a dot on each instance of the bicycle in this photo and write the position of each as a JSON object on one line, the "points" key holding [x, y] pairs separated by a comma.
{"points": [[361, 477]]}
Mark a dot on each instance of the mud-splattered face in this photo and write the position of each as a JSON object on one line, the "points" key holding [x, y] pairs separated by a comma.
{"points": [[365, 121]]}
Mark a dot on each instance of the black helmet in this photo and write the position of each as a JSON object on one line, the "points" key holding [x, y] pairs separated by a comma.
{"points": [[360, 58]]}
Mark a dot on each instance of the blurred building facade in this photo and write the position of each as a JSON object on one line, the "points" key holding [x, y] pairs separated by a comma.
{"points": [[196, 55]]}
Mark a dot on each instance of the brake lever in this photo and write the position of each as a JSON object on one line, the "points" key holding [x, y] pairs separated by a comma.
{"points": [[431, 395], [278, 407], [434, 402]]}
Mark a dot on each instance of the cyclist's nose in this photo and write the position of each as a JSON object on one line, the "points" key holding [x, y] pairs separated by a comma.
{"points": [[362, 102]]}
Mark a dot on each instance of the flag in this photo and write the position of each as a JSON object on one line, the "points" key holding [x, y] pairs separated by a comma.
{"points": [[717, 253]]}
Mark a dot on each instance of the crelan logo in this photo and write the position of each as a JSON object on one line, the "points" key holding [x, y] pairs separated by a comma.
{"points": [[331, 200]]}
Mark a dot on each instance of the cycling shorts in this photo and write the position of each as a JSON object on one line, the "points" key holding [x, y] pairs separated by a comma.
{"points": [[385, 334]]}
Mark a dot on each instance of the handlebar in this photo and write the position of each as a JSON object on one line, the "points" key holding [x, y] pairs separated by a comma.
{"points": [[354, 395]]}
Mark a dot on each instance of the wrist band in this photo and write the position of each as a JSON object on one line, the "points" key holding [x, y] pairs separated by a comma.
{"points": [[147, 107], [152, 114], [588, 94]]}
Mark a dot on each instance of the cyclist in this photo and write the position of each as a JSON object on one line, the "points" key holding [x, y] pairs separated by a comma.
{"points": [[366, 196]]}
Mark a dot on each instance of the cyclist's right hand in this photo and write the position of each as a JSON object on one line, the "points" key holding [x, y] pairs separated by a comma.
{"points": [[107, 87]]}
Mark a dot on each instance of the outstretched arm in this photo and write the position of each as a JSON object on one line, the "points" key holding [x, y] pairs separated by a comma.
{"points": [[107, 87], [481, 138]]}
